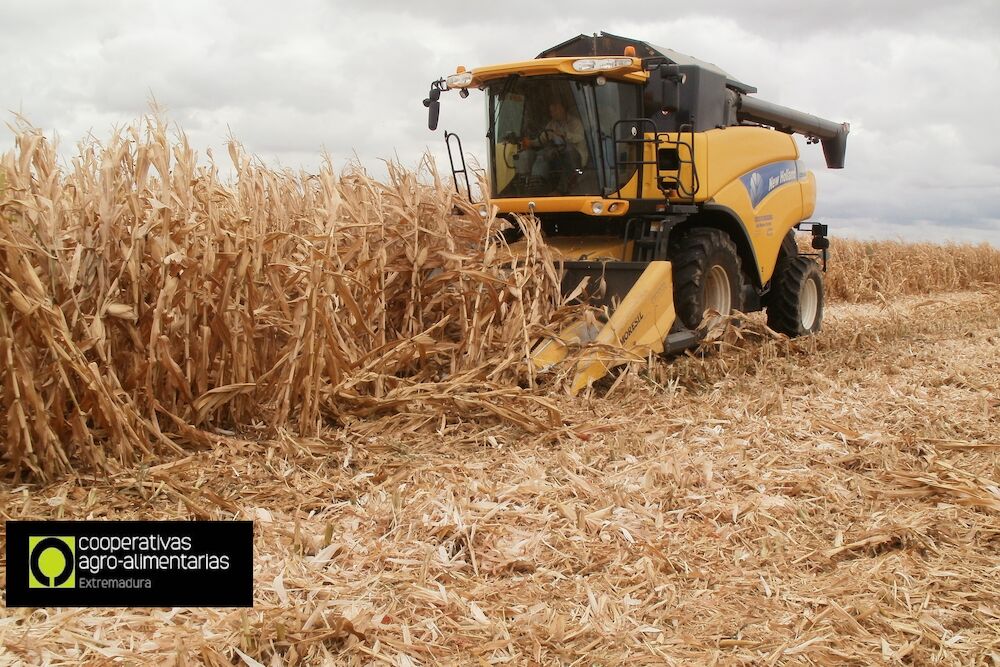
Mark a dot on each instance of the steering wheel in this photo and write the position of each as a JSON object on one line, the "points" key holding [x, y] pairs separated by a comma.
{"points": [[548, 137], [510, 139]]}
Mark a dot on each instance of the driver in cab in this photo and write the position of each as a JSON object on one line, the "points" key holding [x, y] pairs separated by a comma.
{"points": [[556, 156]]}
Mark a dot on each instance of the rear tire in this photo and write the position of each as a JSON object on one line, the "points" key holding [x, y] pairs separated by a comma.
{"points": [[707, 274], [795, 302]]}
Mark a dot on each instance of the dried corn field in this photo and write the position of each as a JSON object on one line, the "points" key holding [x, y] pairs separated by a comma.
{"points": [[142, 297], [343, 361], [879, 270]]}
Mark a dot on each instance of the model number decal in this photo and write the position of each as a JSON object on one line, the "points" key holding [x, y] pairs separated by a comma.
{"points": [[631, 327]]}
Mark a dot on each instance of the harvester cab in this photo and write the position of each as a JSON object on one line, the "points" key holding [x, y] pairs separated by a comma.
{"points": [[660, 179]]}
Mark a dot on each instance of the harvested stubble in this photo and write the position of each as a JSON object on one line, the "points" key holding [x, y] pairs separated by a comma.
{"points": [[141, 296], [831, 501]]}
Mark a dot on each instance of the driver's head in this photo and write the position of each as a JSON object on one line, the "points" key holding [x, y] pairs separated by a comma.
{"points": [[557, 111]]}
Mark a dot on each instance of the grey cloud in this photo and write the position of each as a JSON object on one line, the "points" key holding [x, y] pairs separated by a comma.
{"points": [[775, 19]]}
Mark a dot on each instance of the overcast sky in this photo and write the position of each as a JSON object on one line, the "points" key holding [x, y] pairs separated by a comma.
{"points": [[918, 81]]}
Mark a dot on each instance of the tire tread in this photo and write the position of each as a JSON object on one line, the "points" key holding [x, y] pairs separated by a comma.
{"points": [[689, 260], [783, 299]]}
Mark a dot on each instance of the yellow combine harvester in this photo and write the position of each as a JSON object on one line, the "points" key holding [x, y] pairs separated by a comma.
{"points": [[665, 187]]}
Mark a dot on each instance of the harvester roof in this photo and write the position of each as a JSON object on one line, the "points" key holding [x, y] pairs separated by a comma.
{"points": [[605, 44]]}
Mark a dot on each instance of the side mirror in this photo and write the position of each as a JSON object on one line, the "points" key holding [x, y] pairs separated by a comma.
{"points": [[433, 107], [663, 90], [671, 80], [433, 112]]}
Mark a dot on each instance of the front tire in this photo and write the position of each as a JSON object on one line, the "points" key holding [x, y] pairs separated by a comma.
{"points": [[795, 302], [707, 275]]}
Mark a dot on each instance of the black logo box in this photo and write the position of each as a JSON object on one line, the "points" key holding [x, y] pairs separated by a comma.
{"points": [[231, 587]]}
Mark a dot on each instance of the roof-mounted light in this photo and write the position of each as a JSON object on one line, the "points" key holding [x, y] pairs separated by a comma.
{"points": [[597, 64], [460, 80]]}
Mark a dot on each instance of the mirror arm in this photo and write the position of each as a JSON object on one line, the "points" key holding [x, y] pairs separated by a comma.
{"points": [[433, 104]]}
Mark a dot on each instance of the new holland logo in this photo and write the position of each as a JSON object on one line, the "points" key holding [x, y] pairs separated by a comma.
{"points": [[756, 188], [764, 180], [51, 562]]}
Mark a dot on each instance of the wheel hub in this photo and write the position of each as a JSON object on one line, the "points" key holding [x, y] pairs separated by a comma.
{"points": [[808, 305], [718, 295]]}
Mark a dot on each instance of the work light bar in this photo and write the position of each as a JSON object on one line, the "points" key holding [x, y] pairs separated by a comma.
{"points": [[596, 64]]}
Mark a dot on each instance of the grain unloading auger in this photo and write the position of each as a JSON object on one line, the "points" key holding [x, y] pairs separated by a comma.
{"points": [[667, 190]]}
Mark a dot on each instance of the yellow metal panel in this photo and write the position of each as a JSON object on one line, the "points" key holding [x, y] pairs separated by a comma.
{"points": [[685, 143], [552, 351], [576, 204], [584, 248], [587, 248], [766, 225], [720, 155], [638, 326], [808, 194], [733, 151]]}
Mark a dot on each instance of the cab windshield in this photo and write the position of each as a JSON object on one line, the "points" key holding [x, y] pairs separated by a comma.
{"points": [[553, 136]]}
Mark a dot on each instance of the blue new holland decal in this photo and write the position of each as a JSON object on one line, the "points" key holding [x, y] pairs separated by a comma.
{"points": [[763, 180]]}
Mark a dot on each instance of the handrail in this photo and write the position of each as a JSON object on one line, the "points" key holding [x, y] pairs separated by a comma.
{"points": [[451, 159]]}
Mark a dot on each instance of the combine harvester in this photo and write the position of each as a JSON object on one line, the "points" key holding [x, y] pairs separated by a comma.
{"points": [[667, 190]]}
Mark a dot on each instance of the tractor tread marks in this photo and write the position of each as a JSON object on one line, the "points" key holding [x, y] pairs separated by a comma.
{"points": [[690, 264], [783, 299]]}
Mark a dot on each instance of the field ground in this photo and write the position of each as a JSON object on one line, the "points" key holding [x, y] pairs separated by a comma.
{"points": [[832, 501]]}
